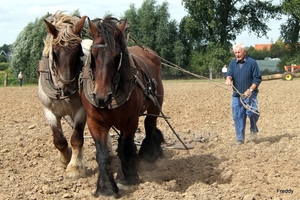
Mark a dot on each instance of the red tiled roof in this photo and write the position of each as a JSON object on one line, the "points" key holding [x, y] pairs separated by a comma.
{"points": [[262, 46]]}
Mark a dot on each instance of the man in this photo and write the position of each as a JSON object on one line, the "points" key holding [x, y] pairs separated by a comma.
{"points": [[20, 77], [224, 71], [245, 76]]}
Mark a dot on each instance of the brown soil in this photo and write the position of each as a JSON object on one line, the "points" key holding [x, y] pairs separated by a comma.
{"points": [[200, 114]]}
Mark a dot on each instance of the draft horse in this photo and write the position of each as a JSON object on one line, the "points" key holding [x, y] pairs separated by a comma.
{"points": [[59, 71], [119, 85]]}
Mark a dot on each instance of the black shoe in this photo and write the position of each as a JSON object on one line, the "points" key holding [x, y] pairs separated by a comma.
{"points": [[239, 142]]}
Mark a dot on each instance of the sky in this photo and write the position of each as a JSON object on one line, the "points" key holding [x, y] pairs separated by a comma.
{"points": [[16, 14]]}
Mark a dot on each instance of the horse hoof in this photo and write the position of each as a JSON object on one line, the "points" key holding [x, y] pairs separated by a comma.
{"points": [[150, 157], [64, 159], [75, 172], [107, 192], [131, 180]]}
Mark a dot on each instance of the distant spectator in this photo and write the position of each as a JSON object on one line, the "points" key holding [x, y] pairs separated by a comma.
{"points": [[20, 77], [224, 71]]}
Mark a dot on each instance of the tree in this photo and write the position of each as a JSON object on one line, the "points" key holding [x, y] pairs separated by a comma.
{"points": [[276, 51], [5, 48], [258, 54], [27, 49], [150, 26], [291, 28], [220, 21], [2, 58], [213, 59]]}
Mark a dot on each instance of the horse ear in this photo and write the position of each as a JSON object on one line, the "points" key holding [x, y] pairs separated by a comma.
{"points": [[79, 26], [123, 25], [51, 28], [121, 28], [92, 29]]}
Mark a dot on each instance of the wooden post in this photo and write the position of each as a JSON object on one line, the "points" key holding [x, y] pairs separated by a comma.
{"points": [[5, 79]]}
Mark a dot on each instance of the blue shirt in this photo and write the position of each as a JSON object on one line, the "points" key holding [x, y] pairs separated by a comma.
{"points": [[244, 74]]}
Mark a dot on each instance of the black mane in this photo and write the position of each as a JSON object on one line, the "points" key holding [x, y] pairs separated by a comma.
{"points": [[106, 28]]}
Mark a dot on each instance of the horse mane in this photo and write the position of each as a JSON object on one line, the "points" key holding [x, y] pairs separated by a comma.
{"points": [[106, 28], [63, 24]]}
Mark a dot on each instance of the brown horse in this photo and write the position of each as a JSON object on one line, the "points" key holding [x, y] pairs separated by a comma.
{"points": [[120, 85], [59, 70]]}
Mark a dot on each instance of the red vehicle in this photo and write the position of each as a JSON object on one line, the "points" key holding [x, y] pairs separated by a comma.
{"points": [[288, 75]]}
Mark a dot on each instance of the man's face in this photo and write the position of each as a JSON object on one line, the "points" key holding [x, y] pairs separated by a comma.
{"points": [[239, 53]]}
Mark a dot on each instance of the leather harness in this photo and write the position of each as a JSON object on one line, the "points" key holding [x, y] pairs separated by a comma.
{"points": [[130, 76]]}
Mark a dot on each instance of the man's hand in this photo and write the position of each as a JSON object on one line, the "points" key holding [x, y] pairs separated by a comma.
{"points": [[228, 80], [248, 93]]}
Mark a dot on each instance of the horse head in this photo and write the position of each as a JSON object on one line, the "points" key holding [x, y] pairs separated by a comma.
{"points": [[107, 51], [64, 52]]}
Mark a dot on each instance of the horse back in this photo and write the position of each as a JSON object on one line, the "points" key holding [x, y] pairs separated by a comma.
{"points": [[149, 64], [148, 57]]}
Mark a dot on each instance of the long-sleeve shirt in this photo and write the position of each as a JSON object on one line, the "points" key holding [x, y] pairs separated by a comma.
{"points": [[244, 74]]}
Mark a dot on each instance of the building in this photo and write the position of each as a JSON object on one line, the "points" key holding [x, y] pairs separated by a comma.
{"points": [[262, 47], [2, 53]]}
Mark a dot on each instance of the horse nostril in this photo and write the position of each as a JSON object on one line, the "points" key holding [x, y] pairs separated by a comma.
{"points": [[102, 101], [109, 98]]}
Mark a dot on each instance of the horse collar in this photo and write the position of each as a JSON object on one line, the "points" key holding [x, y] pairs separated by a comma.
{"points": [[46, 81], [121, 95]]}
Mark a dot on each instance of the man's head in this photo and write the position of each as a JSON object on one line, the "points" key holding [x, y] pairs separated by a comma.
{"points": [[239, 50]]}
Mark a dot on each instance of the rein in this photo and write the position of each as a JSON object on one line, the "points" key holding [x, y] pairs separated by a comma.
{"points": [[247, 106], [66, 82], [85, 79], [176, 67]]}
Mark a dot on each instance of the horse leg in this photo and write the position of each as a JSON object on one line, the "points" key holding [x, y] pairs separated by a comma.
{"points": [[106, 184], [75, 168], [127, 152], [61, 143], [151, 146]]}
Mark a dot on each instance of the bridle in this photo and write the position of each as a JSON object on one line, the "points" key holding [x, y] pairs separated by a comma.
{"points": [[53, 68], [65, 82], [117, 75]]}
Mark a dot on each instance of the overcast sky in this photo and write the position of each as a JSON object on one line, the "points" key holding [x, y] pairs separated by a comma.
{"points": [[16, 14]]}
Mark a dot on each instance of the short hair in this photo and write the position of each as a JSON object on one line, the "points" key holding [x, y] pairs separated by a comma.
{"points": [[239, 45]]}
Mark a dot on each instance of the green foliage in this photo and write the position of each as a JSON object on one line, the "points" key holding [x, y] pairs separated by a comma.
{"points": [[200, 42], [4, 66], [221, 21], [150, 26], [290, 30], [27, 49], [5, 48], [276, 51], [12, 80], [2, 59], [213, 58], [258, 54]]}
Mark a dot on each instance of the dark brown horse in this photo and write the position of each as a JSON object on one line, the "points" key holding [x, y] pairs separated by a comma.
{"points": [[59, 70], [120, 85]]}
